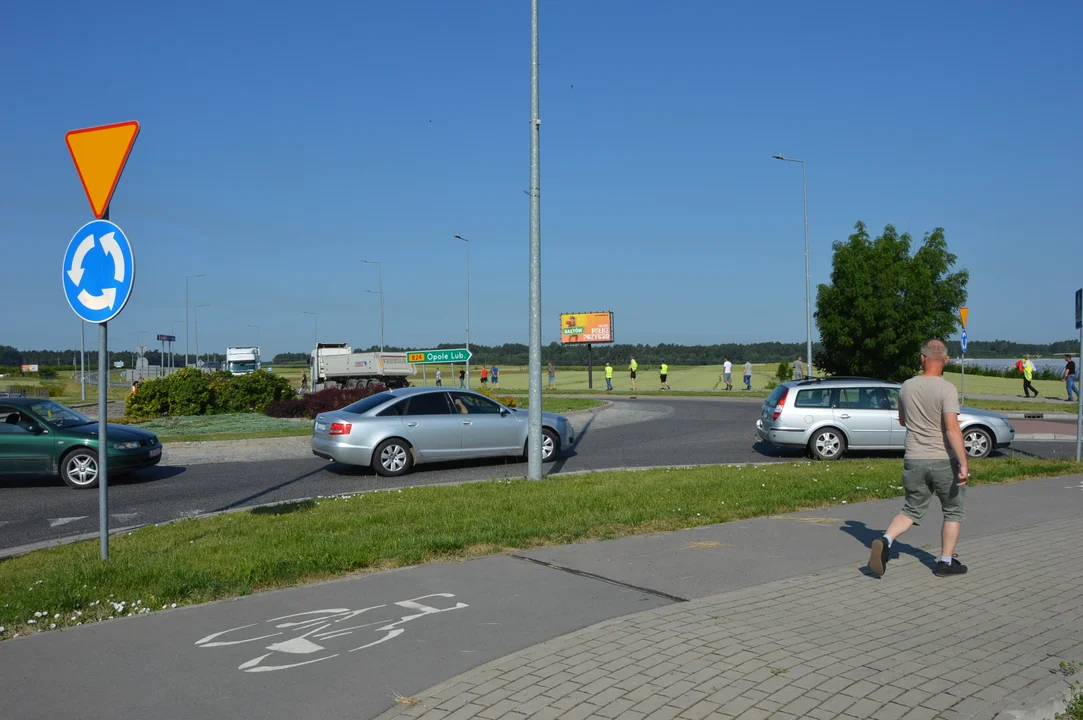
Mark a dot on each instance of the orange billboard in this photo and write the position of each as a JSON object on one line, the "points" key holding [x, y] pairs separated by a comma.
{"points": [[588, 327]]}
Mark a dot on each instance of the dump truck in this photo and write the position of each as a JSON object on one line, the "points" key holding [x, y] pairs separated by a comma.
{"points": [[337, 365]]}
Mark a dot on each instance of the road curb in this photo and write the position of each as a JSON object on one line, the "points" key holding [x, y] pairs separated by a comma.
{"points": [[1044, 705], [1043, 437]]}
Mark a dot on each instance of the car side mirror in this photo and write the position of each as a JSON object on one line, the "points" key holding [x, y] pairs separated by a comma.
{"points": [[35, 429], [504, 411]]}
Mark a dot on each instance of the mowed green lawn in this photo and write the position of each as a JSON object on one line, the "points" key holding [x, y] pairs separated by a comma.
{"points": [[72, 392], [681, 377], [980, 385]]}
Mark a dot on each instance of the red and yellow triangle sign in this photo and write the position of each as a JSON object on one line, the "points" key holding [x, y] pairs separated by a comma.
{"points": [[99, 154]]}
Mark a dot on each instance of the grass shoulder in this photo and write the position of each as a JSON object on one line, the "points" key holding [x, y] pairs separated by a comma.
{"points": [[195, 561]]}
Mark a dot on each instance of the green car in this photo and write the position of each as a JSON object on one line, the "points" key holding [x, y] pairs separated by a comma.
{"points": [[39, 437]]}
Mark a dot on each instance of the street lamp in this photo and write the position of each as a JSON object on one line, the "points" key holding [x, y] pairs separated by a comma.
{"points": [[173, 355], [186, 279], [195, 313], [808, 280], [315, 349], [460, 237], [379, 265], [135, 357], [381, 294], [257, 333]]}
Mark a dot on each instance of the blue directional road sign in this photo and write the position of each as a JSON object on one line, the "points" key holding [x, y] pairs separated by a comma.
{"points": [[964, 340], [99, 271]]}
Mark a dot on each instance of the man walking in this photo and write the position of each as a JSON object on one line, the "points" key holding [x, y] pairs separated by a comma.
{"points": [[462, 378], [748, 374], [484, 377], [439, 378], [1028, 375], [798, 369], [552, 376], [495, 375], [929, 410], [1070, 377], [663, 375], [608, 376], [727, 374], [632, 368]]}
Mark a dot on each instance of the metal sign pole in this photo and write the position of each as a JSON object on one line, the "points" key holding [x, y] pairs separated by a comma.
{"points": [[963, 377], [82, 358], [590, 368], [103, 441]]}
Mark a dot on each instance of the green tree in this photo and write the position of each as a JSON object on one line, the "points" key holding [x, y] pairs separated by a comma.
{"points": [[884, 302]]}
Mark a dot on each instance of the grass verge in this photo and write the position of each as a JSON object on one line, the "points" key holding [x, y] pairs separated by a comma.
{"points": [[196, 561], [1021, 406]]}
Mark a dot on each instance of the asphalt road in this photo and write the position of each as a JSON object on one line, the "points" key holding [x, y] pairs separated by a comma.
{"points": [[679, 431]]}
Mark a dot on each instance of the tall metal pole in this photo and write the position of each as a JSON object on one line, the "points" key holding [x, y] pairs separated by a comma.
{"points": [[465, 240], [103, 440], [82, 358], [186, 279], [808, 274], [380, 267], [808, 278], [195, 313], [534, 435], [315, 352]]}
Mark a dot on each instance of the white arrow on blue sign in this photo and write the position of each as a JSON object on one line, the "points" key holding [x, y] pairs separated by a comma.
{"points": [[99, 271], [964, 340]]}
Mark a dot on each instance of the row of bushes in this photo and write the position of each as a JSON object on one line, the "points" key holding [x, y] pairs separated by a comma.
{"points": [[192, 392], [309, 406]]}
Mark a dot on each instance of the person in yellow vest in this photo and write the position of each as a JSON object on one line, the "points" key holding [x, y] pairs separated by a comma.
{"points": [[1028, 375], [663, 373], [608, 376], [632, 367]]}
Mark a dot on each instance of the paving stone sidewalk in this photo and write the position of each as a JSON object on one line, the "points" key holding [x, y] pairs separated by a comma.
{"points": [[833, 644]]}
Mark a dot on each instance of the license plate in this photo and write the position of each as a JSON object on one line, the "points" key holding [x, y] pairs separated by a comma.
{"points": [[321, 427], [156, 452]]}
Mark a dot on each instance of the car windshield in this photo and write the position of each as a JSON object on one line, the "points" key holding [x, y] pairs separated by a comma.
{"points": [[57, 415], [242, 367]]}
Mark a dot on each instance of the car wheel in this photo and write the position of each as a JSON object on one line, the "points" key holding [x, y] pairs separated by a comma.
{"points": [[977, 442], [550, 446], [827, 444], [79, 469], [392, 458]]}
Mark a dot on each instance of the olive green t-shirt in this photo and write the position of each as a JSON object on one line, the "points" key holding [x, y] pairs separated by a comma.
{"points": [[924, 401]]}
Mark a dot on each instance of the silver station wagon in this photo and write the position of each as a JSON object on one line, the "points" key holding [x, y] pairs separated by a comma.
{"points": [[392, 431], [830, 415]]}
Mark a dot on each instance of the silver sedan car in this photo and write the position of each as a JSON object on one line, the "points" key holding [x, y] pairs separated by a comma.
{"points": [[392, 431], [828, 416]]}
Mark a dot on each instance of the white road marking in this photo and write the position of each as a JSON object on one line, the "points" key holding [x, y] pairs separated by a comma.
{"points": [[57, 522], [124, 517]]}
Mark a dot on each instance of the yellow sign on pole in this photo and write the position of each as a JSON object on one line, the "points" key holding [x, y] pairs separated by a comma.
{"points": [[962, 315]]}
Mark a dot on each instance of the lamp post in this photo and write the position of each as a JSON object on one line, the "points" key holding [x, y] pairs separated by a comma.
{"points": [[315, 350], [380, 266], [135, 356], [186, 279], [465, 240], [195, 313], [808, 281], [173, 355], [534, 415]]}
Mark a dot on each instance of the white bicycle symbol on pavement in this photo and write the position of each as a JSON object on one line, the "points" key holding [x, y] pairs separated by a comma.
{"points": [[322, 625]]}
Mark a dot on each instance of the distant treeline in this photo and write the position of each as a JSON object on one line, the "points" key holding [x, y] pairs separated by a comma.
{"points": [[1006, 349], [11, 357]]}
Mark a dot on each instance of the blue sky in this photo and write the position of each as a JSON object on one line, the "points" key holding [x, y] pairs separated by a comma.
{"points": [[281, 144]]}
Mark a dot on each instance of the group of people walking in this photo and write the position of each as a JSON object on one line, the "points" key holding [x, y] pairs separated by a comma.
{"points": [[487, 373], [1070, 377]]}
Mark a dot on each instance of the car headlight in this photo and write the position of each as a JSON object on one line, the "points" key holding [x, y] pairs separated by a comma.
{"points": [[126, 445]]}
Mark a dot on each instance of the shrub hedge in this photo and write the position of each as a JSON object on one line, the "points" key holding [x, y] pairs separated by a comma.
{"points": [[192, 392], [311, 405]]}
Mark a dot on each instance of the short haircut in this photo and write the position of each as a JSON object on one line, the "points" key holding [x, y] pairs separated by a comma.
{"points": [[935, 349]]}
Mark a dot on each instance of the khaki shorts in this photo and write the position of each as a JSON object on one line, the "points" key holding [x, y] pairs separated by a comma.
{"points": [[924, 478]]}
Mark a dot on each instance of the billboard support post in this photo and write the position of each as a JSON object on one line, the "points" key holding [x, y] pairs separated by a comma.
{"points": [[590, 368]]}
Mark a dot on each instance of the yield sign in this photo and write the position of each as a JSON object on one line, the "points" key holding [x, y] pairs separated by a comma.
{"points": [[99, 154]]}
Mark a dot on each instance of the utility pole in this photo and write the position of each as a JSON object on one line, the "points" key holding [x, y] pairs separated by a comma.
{"points": [[186, 279], [465, 240], [534, 433]]}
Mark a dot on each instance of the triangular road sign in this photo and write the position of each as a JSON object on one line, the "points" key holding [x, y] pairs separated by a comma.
{"points": [[99, 154], [963, 312]]}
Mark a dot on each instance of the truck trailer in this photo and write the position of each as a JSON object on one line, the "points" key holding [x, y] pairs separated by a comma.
{"points": [[337, 365]]}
